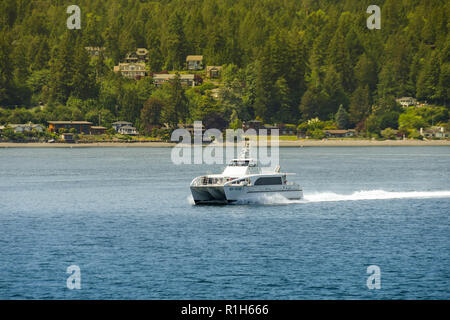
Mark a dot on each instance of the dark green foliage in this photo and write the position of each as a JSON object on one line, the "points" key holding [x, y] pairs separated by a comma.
{"points": [[283, 60], [342, 118]]}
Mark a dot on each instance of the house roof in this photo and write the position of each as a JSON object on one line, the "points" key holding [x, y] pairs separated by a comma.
{"points": [[69, 122], [172, 76], [194, 58], [122, 122], [208, 68], [98, 127], [338, 131], [141, 51], [33, 125]]}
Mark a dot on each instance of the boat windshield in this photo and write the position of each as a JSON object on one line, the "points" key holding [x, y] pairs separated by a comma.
{"points": [[239, 163]]}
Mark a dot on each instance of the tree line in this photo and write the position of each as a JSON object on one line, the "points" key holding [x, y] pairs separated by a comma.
{"points": [[284, 61]]}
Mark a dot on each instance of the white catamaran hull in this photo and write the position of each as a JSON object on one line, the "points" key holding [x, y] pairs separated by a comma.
{"points": [[230, 194]]}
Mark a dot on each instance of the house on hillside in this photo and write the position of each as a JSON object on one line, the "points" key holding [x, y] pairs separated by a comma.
{"points": [[188, 80], [131, 70], [194, 62], [140, 56], [134, 66], [407, 101], [213, 72]]}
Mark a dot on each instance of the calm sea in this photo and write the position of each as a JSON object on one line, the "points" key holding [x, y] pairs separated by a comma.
{"points": [[124, 216]]}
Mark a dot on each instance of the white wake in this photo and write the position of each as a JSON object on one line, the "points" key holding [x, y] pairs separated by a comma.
{"points": [[355, 196], [277, 199], [373, 195]]}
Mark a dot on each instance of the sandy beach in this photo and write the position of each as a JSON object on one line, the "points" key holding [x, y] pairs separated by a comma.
{"points": [[297, 143]]}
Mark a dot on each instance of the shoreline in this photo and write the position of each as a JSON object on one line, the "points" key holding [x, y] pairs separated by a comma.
{"points": [[297, 143]]}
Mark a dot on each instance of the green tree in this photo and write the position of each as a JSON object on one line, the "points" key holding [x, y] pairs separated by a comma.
{"points": [[61, 66], [359, 105], [342, 118], [176, 43], [6, 69], [151, 113], [83, 79]]}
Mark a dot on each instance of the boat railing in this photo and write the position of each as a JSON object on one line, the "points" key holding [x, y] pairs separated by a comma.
{"points": [[238, 181], [208, 181]]}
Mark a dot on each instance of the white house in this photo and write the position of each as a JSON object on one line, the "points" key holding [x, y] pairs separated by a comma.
{"points": [[119, 124], [407, 101], [26, 127], [128, 130], [434, 132]]}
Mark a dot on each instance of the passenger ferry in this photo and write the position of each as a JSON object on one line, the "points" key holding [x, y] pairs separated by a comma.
{"points": [[243, 180]]}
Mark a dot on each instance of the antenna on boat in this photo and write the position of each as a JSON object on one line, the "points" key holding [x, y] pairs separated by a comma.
{"points": [[245, 152]]}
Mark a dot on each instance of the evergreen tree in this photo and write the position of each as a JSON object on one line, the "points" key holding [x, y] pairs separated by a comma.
{"points": [[151, 113], [176, 44], [6, 70], [83, 80], [61, 68], [342, 118], [359, 104]]}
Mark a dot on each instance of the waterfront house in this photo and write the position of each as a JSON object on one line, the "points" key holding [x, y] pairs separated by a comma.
{"points": [[213, 72], [128, 130], [79, 126], [119, 124], [434, 132], [26, 127], [194, 62], [67, 137], [97, 130], [340, 133], [252, 124]]}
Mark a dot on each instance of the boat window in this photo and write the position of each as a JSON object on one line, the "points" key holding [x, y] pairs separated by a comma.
{"points": [[268, 181], [240, 163]]}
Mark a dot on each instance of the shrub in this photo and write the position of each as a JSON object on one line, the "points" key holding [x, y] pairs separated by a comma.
{"points": [[413, 134], [388, 133], [316, 134]]}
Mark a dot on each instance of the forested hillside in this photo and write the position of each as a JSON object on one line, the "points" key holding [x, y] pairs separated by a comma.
{"points": [[284, 60]]}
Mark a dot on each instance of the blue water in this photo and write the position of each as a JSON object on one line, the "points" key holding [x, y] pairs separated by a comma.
{"points": [[125, 217]]}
